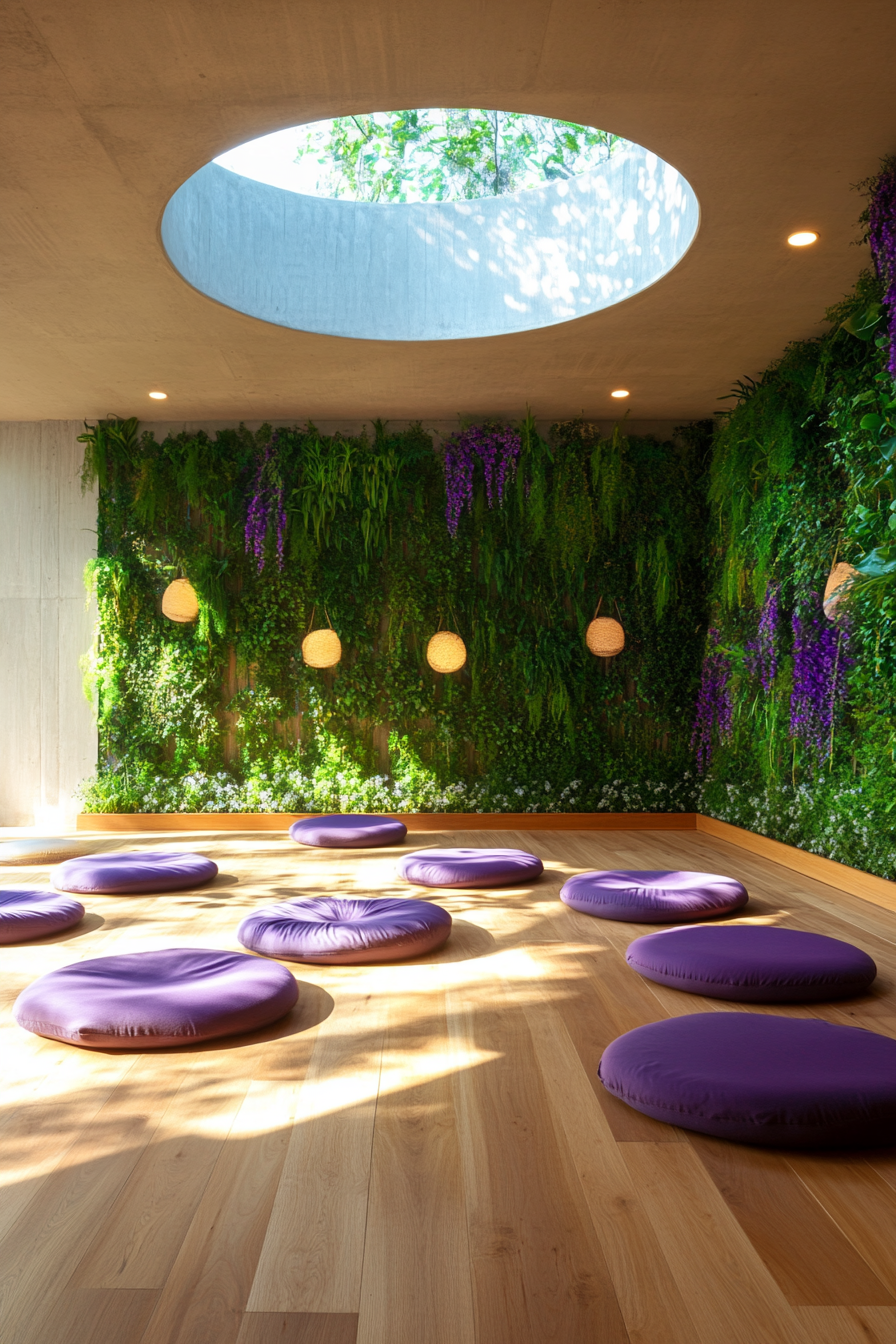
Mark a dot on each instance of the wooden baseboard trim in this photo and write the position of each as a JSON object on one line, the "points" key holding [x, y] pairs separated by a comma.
{"points": [[135, 822], [878, 890]]}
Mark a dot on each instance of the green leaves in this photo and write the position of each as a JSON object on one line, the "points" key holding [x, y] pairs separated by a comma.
{"points": [[368, 548], [864, 324], [438, 154], [113, 438]]}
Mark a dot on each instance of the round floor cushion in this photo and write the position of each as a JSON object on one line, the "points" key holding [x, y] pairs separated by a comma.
{"points": [[755, 1078], [655, 897], [34, 850], [753, 963], [146, 1000], [348, 831], [343, 930], [28, 912], [129, 874], [470, 867]]}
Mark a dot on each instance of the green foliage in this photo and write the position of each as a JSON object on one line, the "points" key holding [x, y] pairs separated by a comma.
{"points": [[225, 713], [440, 154], [803, 476]]}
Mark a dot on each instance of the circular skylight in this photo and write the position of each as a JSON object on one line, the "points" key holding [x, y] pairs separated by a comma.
{"points": [[429, 224]]}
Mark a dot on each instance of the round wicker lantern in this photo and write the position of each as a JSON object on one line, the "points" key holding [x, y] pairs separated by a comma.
{"points": [[605, 637], [837, 587], [179, 602], [446, 652], [322, 648]]}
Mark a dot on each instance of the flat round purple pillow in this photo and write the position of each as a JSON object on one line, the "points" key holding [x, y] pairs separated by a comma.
{"points": [[656, 897], [345, 830], [29, 912], [336, 930], [129, 874], [146, 1000], [470, 867], [753, 963], [782, 1081]]}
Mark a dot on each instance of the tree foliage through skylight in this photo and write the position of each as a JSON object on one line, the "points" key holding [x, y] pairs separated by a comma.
{"points": [[446, 154]]}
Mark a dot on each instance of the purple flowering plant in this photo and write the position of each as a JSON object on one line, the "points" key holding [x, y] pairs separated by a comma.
{"points": [[821, 660], [761, 653], [882, 238], [266, 509], [497, 449], [713, 718]]}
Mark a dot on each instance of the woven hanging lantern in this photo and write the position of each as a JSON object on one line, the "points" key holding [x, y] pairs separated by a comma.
{"points": [[179, 602], [837, 587], [446, 652], [605, 637], [322, 648]]}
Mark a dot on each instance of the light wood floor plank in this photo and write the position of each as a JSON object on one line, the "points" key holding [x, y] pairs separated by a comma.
{"points": [[599, 999], [95, 1315], [859, 1201], [137, 1243], [726, 1288], [848, 1325], [651, 1305], [809, 1256], [307, 1327], [206, 1292], [44, 1244], [35, 1137], [539, 1273], [314, 1248], [416, 1281]]}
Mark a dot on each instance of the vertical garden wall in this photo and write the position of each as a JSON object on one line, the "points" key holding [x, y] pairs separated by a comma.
{"points": [[795, 727], [505, 536]]}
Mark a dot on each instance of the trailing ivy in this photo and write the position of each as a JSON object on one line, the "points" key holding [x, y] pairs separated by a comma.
{"points": [[281, 530]]}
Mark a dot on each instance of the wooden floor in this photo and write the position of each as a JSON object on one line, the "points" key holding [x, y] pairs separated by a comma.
{"points": [[421, 1153]]}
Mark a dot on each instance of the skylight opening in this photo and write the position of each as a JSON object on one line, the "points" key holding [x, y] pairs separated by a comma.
{"points": [[423, 155], [429, 225]]}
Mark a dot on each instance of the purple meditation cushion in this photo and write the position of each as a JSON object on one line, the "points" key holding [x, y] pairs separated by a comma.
{"points": [[29, 912], [655, 897], [146, 1000], [131, 873], [341, 930], [782, 1081], [470, 867], [753, 963], [345, 830]]}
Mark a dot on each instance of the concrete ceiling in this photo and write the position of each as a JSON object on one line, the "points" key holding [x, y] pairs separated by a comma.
{"points": [[771, 110]]}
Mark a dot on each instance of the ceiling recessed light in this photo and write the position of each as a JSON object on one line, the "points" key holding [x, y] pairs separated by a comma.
{"points": [[802, 239], [159, 396], [620, 392]]}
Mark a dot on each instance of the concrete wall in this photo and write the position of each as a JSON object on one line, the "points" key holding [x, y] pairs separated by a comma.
{"points": [[47, 733]]}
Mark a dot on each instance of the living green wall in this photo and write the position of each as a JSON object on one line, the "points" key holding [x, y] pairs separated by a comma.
{"points": [[283, 530], [798, 712]]}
